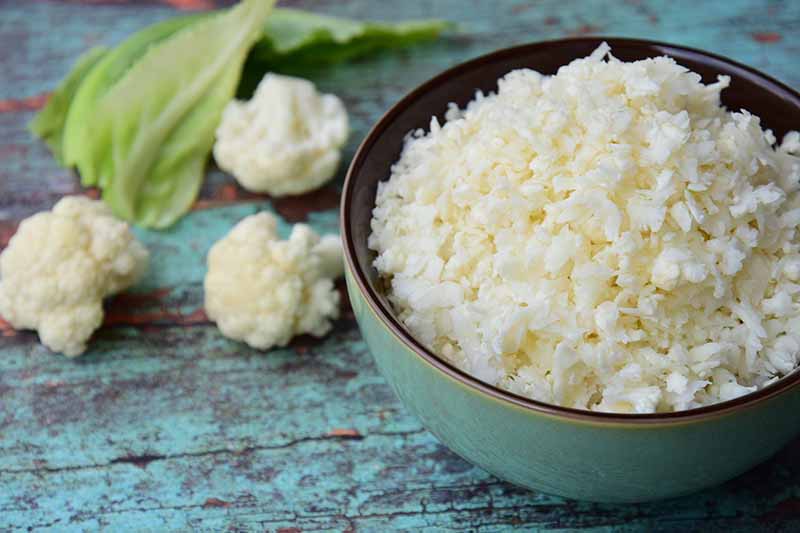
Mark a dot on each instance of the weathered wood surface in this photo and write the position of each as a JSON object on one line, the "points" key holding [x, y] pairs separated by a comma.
{"points": [[165, 425]]}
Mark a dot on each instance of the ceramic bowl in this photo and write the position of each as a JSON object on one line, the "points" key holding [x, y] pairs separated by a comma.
{"points": [[568, 452]]}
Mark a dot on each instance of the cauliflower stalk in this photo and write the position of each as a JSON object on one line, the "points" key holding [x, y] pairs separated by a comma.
{"points": [[286, 140], [264, 291], [59, 267]]}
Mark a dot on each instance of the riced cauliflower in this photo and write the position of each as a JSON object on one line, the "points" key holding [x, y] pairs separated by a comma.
{"points": [[264, 291], [61, 264], [286, 140], [609, 238]]}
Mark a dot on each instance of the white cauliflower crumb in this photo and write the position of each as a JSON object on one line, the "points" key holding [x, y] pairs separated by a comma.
{"points": [[61, 264], [608, 238], [264, 291], [286, 140]]}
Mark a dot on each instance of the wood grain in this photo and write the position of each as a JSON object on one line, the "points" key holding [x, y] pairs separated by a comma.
{"points": [[166, 425]]}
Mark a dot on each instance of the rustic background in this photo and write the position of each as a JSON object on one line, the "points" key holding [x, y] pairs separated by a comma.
{"points": [[167, 425]]}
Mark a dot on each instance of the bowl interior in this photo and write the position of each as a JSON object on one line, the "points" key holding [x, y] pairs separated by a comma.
{"points": [[776, 105]]}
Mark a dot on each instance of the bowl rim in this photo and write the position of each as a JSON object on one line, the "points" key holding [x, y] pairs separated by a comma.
{"points": [[388, 319]]}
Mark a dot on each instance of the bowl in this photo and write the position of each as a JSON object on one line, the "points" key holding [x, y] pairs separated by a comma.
{"points": [[578, 454]]}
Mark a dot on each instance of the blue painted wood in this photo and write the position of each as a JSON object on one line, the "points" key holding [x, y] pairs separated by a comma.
{"points": [[165, 425]]}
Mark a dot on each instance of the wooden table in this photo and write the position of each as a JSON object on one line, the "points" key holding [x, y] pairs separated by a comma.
{"points": [[166, 425]]}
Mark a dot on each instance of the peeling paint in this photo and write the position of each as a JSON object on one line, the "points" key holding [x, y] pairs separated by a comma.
{"points": [[31, 103], [767, 37], [191, 5], [345, 432], [6, 330], [215, 502]]}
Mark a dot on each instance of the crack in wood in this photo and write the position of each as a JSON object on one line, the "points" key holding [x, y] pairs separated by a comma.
{"points": [[541, 512], [137, 460], [144, 459]]}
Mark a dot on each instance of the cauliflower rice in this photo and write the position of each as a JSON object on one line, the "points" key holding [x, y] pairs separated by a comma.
{"points": [[609, 238]]}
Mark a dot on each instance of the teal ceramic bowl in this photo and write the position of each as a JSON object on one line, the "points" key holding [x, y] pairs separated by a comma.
{"points": [[572, 453]]}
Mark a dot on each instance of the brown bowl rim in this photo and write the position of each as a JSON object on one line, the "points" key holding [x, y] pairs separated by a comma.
{"points": [[388, 318]]}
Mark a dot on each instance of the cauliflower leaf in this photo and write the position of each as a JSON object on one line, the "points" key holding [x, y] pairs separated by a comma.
{"points": [[295, 40], [292, 35], [150, 157], [93, 86], [48, 124], [125, 118]]}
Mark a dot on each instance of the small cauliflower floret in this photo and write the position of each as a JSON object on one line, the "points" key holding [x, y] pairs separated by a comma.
{"points": [[286, 140], [264, 291], [60, 266]]}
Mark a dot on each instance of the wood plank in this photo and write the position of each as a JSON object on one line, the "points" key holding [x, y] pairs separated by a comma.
{"points": [[167, 425]]}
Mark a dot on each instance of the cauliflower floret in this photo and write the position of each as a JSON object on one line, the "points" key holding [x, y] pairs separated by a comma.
{"points": [[286, 140], [264, 291], [59, 267]]}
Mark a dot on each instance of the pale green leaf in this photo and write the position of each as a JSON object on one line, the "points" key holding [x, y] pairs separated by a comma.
{"points": [[293, 40], [288, 31], [48, 124], [153, 130], [139, 120], [105, 73]]}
